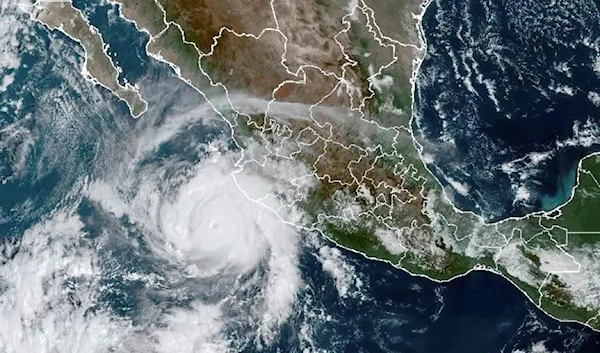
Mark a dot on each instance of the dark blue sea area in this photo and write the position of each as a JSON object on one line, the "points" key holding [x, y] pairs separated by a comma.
{"points": [[114, 29], [63, 136], [507, 101], [480, 312]]}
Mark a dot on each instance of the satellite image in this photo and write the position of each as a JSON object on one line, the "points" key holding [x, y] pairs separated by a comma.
{"points": [[411, 176]]}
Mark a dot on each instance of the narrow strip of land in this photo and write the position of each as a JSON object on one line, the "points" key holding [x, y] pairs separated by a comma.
{"points": [[97, 66]]}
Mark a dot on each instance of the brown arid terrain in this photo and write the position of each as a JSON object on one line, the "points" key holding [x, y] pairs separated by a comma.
{"points": [[98, 67], [333, 63], [326, 84], [332, 59], [318, 82], [257, 47], [312, 53]]}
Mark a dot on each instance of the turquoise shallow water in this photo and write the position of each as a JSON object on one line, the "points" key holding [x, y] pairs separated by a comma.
{"points": [[493, 96], [71, 133], [563, 193]]}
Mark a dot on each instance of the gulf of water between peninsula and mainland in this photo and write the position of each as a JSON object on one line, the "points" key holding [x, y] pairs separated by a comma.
{"points": [[326, 88]]}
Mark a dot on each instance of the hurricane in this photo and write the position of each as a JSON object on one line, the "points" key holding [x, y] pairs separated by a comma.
{"points": [[148, 230], [191, 214], [164, 234]]}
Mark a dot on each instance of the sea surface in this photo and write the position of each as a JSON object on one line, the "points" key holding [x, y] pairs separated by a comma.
{"points": [[507, 101], [89, 272]]}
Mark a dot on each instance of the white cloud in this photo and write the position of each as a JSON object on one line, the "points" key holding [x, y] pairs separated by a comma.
{"points": [[537, 347], [195, 330], [460, 188], [390, 240], [39, 310], [347, 282], [205, 225], [583, 136], [522, 194], [594, 97], [516, 264], [11, 26], [212, 226]]}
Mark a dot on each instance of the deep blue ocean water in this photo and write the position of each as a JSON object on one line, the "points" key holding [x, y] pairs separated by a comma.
{"points": [[72, 125], [507, 102], [480, 312]]}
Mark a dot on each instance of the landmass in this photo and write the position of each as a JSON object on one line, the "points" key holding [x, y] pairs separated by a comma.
{"points": [[324, 88], [97, 65]]}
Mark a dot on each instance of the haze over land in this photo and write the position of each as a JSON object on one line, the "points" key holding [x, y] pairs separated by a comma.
{"points": [[322, 115]]}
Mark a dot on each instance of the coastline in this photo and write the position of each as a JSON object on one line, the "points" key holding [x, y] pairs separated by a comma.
{"points": [[232, 124]]}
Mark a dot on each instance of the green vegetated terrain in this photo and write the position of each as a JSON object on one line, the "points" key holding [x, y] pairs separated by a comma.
{"points": [[404, 217]]}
